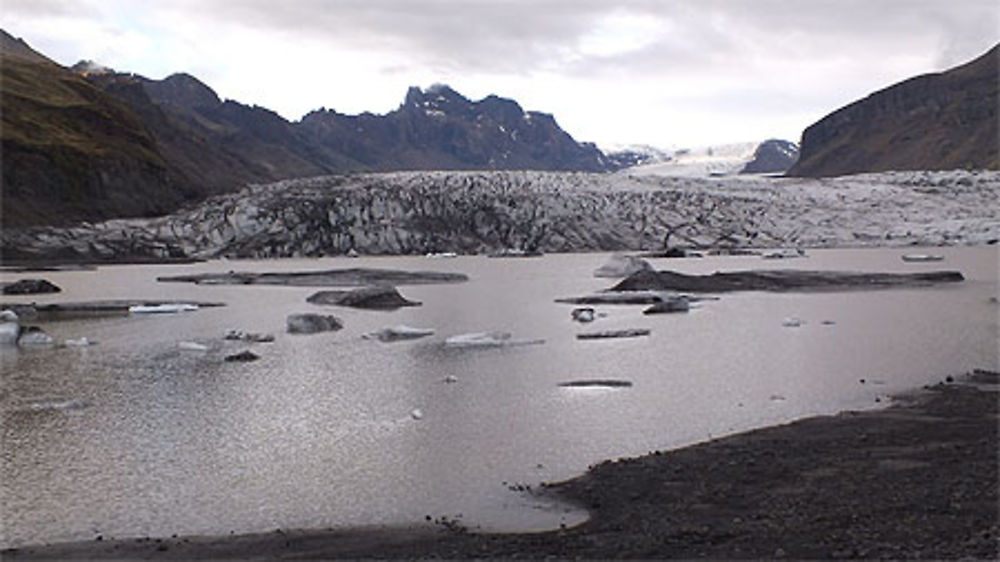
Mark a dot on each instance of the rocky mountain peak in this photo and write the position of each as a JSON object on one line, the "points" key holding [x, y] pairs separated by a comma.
{"points": [[772, 156], [88, 67], [181, 89]]}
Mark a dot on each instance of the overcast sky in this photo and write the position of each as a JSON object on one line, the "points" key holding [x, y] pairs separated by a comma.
{"points": [[669, 73]]}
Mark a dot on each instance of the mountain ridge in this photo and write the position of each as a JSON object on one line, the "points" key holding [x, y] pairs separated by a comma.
{"points": [[88, 143]]}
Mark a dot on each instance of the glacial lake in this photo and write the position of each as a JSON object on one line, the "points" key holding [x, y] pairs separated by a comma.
{"points": [[134, 436]]}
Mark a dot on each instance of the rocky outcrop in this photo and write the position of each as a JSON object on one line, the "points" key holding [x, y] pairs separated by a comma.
{"points": [[670, 305], [308, 323], [245, 356], [597, 383], [89, 309], [772, 156], [781, 280], [351, 277], [614, 334], [372, 298], [28, 287], [938, 121]]}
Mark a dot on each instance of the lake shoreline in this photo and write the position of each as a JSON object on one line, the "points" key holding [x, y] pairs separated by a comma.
{"points": [[918, 479]]}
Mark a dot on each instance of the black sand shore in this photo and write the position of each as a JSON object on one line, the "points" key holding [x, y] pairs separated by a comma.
{"points": [[916, 480]]}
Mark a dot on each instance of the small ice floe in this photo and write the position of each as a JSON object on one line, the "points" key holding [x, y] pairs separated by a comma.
{"points": [[417, 414], [583, 315], [10, 327], [33, 336], [784, 254], [192, 346], [79, 342], [609, 334], [792, 322], [252, 337], [398, 333], [922, 257], [165, 308], [620, 265], [57, 404], [487, 339]]}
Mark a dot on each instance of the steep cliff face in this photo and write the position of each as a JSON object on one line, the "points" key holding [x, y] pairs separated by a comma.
{"points": [[937, 121]]}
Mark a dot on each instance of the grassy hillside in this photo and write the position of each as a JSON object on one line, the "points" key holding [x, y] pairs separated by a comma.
{"points": [[71, 151]]}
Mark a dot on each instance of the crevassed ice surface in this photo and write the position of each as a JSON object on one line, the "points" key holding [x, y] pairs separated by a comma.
{"points": [[134, 436]]}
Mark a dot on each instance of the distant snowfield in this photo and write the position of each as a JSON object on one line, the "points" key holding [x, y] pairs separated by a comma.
{"points": [[475, 212], [702, 162]]}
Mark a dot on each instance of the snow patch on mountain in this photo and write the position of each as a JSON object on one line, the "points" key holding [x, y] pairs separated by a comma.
{"points": [[700, 162]]}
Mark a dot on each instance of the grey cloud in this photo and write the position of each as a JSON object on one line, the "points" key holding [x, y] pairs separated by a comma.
{"points": [[525, 35], [45, 8]]}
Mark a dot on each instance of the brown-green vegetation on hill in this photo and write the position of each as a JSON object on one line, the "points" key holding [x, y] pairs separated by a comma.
{"points": [[938, 121], [72, 152]]}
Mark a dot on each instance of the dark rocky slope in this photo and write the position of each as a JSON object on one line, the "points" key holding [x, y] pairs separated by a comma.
{"points": [[938, 121]]}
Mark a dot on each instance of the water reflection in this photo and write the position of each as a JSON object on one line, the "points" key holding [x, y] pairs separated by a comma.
{"points": [[319, 431]]}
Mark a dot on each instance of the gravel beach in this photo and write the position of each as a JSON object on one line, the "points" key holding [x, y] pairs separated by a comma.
{"points": [[917, 480]]}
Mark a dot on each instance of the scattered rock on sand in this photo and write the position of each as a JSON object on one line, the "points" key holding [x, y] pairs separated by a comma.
{"points": [[620, 265], [30, 287], [372, 298], [242, 357], [308, 323]]}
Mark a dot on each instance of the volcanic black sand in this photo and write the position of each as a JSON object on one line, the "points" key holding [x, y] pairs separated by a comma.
{"points": [[916, 480]]}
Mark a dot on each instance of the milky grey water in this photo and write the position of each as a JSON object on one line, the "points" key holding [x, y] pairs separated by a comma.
{"points": [[134, 436]]}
